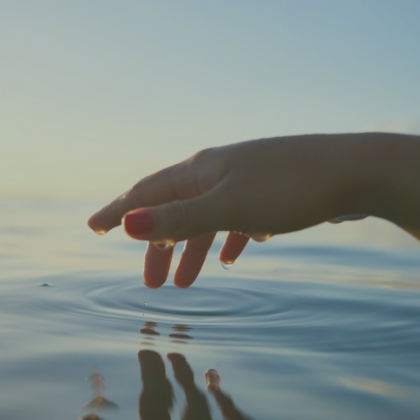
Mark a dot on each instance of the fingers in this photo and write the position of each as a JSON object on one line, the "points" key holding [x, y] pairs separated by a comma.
{"points": [[156, 396], [157, 262], [192, 259], [156, 265], [182, 181], [225, 403], [151, 191], [182, 370], [180, 219], [196, 402], [151, 365], [233, 246], [176, 182], [227, 407]]}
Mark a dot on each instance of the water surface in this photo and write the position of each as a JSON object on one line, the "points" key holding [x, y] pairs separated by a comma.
{"points": [[322, 324]]}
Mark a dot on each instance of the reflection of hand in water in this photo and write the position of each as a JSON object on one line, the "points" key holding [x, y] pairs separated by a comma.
{"points": [[225, 403], [98, 402], [156, 396], [196, 402]]}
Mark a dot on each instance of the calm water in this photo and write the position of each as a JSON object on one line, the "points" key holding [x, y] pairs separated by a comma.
{"points": [[323, 324]]}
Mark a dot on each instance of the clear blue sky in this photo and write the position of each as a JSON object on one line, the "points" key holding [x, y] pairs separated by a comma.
{"points": [[95, 94]]}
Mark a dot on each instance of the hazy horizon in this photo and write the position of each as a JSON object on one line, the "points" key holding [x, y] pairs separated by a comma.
{"points": [[96, 95]]}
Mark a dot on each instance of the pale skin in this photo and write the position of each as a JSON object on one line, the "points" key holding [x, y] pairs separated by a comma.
{"points": [[263, 188]]}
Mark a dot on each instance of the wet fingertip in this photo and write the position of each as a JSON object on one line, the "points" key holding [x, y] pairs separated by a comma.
{"points": [[183, 286], [151, 285], [226, 260], [153, 282], [99, 230], [226, 263]]}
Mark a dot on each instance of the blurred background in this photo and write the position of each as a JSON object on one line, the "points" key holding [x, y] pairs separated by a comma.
{"points": [[96, 94]]}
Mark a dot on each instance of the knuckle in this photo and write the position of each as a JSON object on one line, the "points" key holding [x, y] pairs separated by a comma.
{"points": [[136, 198], [208, 168], [202, 156], [185, 184], [140, 184], [137, 193], [191, 180]]}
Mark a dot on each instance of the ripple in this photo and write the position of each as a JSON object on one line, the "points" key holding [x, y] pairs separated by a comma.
{"points": [[308, 316]]}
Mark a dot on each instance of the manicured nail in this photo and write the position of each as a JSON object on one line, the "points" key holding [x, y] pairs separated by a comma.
{"points": [[139, 223]]}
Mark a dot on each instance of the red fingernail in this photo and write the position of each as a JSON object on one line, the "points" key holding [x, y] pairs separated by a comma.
{"points": [[139, 223]]}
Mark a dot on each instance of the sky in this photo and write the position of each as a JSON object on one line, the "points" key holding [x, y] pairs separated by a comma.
{"points": [[96, 94]]}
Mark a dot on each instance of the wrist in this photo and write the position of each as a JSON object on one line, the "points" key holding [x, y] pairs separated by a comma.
{"points": [[387, 177]]}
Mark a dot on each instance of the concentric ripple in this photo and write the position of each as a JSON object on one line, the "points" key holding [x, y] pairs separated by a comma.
{"points": [[276, 313]]}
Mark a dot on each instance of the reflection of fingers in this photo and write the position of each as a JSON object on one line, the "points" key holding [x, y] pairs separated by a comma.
{"points": [[151, 364], [192, 259], [156, 395], [225, 403], [182, 370], [232, 247], [196, 402], [156, 265]]}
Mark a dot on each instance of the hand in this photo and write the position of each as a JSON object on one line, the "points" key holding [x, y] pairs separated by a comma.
{"points": [[260, 188]]}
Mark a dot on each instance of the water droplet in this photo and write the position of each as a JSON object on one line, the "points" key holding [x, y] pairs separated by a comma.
{"points": [[227, 266], [164, 245], [100, 232], [45, 285], [260, 236], [349, 217], [244, 234]]}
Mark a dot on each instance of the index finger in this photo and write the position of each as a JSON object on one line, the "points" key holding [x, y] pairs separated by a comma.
{"points": [[151, 191]]}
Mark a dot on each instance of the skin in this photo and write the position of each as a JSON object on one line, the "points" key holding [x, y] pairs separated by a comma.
{"points": [[263, 188]]}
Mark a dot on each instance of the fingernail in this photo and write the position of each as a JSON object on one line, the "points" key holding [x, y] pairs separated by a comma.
{"points": [[139, 223]]}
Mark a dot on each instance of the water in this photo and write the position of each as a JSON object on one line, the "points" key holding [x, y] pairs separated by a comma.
{"points": [[165, 245], [322, 324]]}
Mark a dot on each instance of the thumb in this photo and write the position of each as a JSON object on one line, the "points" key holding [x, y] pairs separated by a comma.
{"points": [[177, 220]]}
